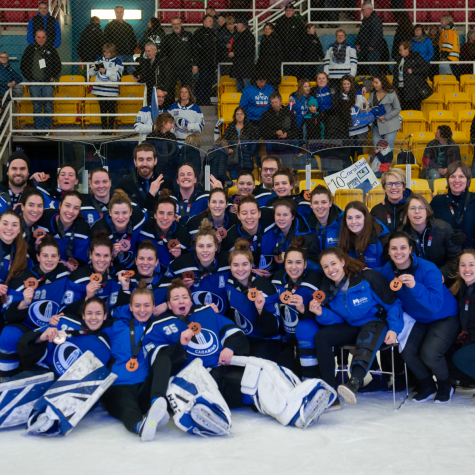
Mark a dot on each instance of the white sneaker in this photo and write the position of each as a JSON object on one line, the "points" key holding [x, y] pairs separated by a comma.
{"points": [[157, 416]]}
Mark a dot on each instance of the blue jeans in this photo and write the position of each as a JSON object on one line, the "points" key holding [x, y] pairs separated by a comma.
{"points": [[432, 175], [42, 122], [445, 68], [127, 58], [391, 137], [241, 83], [373, 55]]}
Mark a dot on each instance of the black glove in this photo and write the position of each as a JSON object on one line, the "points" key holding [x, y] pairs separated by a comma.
{"points": [[458, 237]]}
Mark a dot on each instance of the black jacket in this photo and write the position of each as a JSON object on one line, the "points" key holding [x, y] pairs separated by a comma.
{"points": [[49, 54], [437, 247], [429, 159], [390, 214], [312, 124], [412, 82], [205, 44], [151, 73], [167, 149], [224, 37], [155, 36], [38, 24], [291, 32], [178, 50], [371, 33], [243, 60], [402, 34], [122, 36], [272, 121], [91, 42], [467, 317], [270, 56], [246, 144], [311, 49]]}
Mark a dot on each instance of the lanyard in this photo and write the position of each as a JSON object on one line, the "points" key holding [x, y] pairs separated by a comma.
{"points": [[243, 288], [118, 236], [62, 233], [185, 210], [291, 287], [98, 206], [139, 185], [338, 288], [421, 243], [204, 271], [135, 347], [15, 198], [26, 230], [256, 248], [323, 236], [2, 257], [225, 221], [163, 236], [451, 204], [280, 244], [42, 276], [464, 317]]}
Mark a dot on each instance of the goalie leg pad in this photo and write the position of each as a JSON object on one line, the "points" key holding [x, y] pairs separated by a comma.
{"points": [[368, 342], [278, 392], [198, 405], [70, 397]]}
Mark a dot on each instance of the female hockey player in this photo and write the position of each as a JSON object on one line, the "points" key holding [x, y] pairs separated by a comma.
{"points": [[94, 205], [123, 225], [67, 181], [69, 229], [245, 185], [209, 267], [32, 208], [163, 230]]}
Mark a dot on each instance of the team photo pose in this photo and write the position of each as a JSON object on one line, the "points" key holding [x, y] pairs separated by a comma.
{"points": [[94, 205], [32, 208], [190, 201], [67, 181]]}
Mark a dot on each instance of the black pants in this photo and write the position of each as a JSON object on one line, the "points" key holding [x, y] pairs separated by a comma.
{"points": [[464, 360], [129, 402], [228, 379], [426, 346], [107, 107], [408, 104], [267, 349], [205, 84], [183, 75]]}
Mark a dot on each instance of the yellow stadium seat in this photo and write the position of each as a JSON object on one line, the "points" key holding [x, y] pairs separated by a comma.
{"points": [[92, 107], [465, 119], [440, 186], [226, 84], [127, 107], [25, 107], [366, 157], [418, 143], [66, 107], [457, 101], [472, 187], [131, 91], [288, 85], [229, 102], [285, 99], [313, 184], [469, 88], [345, 196], [374, 196], [444, 83], [412, 122], [415, 169], [390, 78], [462, 139], [78, 90], [437, 118], [421, 187], [466, 80], [232, 191], [432, 103]]}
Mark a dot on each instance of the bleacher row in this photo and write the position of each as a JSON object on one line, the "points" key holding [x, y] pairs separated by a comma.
{"points": [[18, 16]]}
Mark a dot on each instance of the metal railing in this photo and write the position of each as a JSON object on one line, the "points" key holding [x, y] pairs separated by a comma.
{"points": [[24, 23]]}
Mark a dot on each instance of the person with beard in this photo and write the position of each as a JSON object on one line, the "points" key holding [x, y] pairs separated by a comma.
{"points": [[265, 190], [143, 184], [94, 205]]}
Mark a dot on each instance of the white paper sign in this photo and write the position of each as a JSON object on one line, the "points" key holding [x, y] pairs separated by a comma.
{"points": [[42, 63], [359, 175]]}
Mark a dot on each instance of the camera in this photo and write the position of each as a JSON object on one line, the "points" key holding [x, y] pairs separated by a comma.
{"points": [[98, 66]]}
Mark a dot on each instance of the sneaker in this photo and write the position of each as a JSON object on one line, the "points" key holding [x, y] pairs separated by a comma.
{"points": [[334, 406], [156, 417], [426, 392], [444, 392], [348, 391]]}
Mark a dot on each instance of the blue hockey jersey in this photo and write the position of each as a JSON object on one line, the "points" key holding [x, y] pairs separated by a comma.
{"points": [[197, 203]]}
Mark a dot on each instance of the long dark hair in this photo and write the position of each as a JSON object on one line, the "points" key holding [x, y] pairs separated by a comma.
{"points": [[21, 250], [352, 266], [386, 86]]}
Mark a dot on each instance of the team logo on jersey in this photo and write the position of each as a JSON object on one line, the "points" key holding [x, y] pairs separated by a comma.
{"points": [[290, 319], [206, 343], [90, 218], [181, 124], [242, 322], [125, 256], [265, 262], [64, 356], [41, 312], [222, 283], [207, 298], [360, 301]]}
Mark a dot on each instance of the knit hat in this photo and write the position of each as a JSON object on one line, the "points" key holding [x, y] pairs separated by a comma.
{"points": [[382, 143], [312, 102], [18, 156]]}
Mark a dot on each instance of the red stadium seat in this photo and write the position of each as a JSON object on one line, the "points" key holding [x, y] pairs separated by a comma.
{"points": [[33, 6], [166, 17], [14, 17], [262, 5], [193, 17], [218, 5]]}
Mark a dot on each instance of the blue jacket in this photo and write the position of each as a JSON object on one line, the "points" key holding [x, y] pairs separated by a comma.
{"points": [[367, 293], [429, 299], [324, 98], [425, 49], [7, 74], [441, 204], [298, 106], [327, 235], [57, 31], [255, 101]]}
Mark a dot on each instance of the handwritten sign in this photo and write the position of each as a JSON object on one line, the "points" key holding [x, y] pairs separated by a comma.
{"points": [[357, 176]]}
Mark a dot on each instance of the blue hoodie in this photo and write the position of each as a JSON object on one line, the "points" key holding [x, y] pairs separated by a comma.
{"points": [[298, 106], [327, 235], [255, 101], [429, 299], [425, 49]]}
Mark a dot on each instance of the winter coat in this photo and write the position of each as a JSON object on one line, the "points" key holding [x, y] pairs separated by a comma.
{"points": [[312, 50], [245, 144], [371, 33], [91, 43], [431, 152], [390, 214], [272, 121], [152, 73], [122, 35], [415, 81], [205, 44], [155, 36], [425, 49], [243, 60], [224, 37], [292, 33], [312, 127], [48, 24], [298, 106], [270, 56], [218, 162], [466, 312], [338, 70], [178, 50], [51, 57], [429, 300], [393, 108], [7, 75], [255, 100], [168, 151], [401, 34], [327, 235]]}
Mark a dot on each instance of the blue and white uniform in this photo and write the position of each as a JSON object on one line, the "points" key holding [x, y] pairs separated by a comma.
{"points": [[189, 117], [113, 72]]}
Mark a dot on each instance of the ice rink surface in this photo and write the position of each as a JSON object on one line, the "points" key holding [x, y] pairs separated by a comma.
{"points": [[369, 438]]}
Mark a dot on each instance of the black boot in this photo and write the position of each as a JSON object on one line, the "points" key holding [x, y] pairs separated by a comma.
{"points": [[444, 392], [426, 390], [348, 391]]}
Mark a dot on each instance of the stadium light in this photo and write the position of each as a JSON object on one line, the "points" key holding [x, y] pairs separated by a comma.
{"points": [[105, 14]]}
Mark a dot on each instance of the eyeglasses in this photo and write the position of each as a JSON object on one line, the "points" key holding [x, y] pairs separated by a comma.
{"points": [[269, 170], [3, 57], [397, 184], [417, 208]]}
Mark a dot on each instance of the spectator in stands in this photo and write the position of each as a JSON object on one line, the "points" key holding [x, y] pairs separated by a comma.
{"points": [[439, 154], [122, 35], [242, 138], [107, 68], [270, 56], [422, 44], [381, 158], [153, 34], [326, 96], [212, 13], [255, 98], [386, 126], [340, 59], [221, 19], [404, 32], [242, 55], [434, 35], [370, 39], [226, 42], [457, 207], [410, 75], [312, 52], [298, 100], [188, 116], [8, 77], [467, 53], [291, 31], [311, 124], [431, 238], [449, 44], [205, 58], [146, 118], [151, 69], [178, 53], [278, 123], [45, 22], [389, 211], [41, 63], [91, 41]]}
